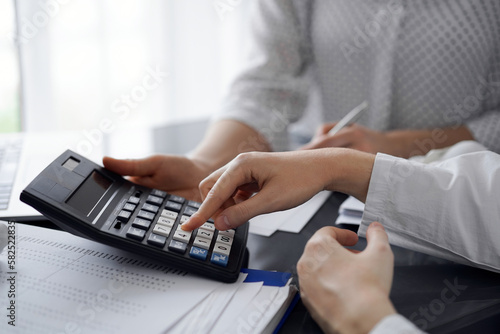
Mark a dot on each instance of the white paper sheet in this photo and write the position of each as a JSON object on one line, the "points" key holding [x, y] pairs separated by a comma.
{"points": [[69, 284], [292, 220], [245, 294], [350, 212], [208, 312]]}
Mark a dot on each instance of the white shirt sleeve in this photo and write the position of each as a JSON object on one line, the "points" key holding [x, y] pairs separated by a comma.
{"points": [[449, 209], [396, 324], [272, 90]]}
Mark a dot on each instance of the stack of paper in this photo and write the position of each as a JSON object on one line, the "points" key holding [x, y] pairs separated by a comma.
{"points": [[60, 283], [292, 220], [350, 212]]}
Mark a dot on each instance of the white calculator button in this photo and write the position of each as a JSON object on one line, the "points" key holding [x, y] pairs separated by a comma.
{"points": [[169, 214], [166, 221], [184, 219], [205, 234], [229, 233], [225, 239], [162, 230], [201, 242], [221, 248], [208, 226], [181, 235]]}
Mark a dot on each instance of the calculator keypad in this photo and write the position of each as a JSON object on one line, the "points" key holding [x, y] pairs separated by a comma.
{"points": [[158, 223]]}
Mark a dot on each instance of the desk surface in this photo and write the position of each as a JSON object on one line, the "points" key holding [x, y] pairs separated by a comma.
{"points": [[421, 287]]}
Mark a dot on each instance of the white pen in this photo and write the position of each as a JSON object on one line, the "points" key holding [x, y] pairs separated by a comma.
{"points": [[350, 118]]}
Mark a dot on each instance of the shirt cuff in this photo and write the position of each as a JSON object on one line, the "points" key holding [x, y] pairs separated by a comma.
{"points": [[397, 324]]}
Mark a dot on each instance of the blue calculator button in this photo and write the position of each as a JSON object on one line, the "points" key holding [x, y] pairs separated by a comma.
{"points": [[177, 246], [219, 259], [198, 253]]}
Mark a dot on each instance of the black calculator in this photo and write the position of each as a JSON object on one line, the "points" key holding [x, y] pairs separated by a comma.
{"points": [[88, 200]]}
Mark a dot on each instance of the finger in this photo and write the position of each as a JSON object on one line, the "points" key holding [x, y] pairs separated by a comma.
{"points": [[378, 241], [342, 236], [238, 214], [328, 238], [343, 138], [216, 189], [141, 167], [324, 129], [327, 244]]}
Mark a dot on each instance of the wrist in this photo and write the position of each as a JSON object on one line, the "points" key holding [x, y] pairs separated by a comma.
{"points": [[350, 172], [362, 317]]}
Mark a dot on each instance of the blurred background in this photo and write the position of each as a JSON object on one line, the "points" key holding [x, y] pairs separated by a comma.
{"points": [[82, 65]]}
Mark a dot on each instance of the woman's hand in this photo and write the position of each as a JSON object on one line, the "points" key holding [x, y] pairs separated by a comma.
{"points": [[175, 174], [354, 136], [403, 143], [256, 183]]}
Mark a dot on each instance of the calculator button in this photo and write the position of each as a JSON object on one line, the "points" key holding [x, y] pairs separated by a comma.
{"points": [[159, 193], [176, 198], [208, 226], [154, 200], [141, 223], [225, 239], [205, 234], [181, 235], [151, 208], [173, 206], [229, 233], [129, 207], [157, 240], [169, 214], [219, 259], [136, 233], [183, 219], [124, 216], [194, 204], [162, 230], [166, 221], [221, 248], [146, 215], [134, 200], [198, 253], [189, 210], [177, 246], [202, 242]]}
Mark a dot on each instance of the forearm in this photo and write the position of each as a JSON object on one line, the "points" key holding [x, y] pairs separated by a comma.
{"points": [[408, 143], [224, 140]]}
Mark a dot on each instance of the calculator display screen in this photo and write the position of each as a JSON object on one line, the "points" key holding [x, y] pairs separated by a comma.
{"points": [[90, 193]]}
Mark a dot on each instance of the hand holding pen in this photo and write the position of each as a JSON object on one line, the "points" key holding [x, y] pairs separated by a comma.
{"points": [[330, 134], [350, 118]]}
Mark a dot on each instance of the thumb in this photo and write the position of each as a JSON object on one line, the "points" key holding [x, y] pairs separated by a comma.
{"points": [[140, 167], [378, 241], [239, 213]]}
